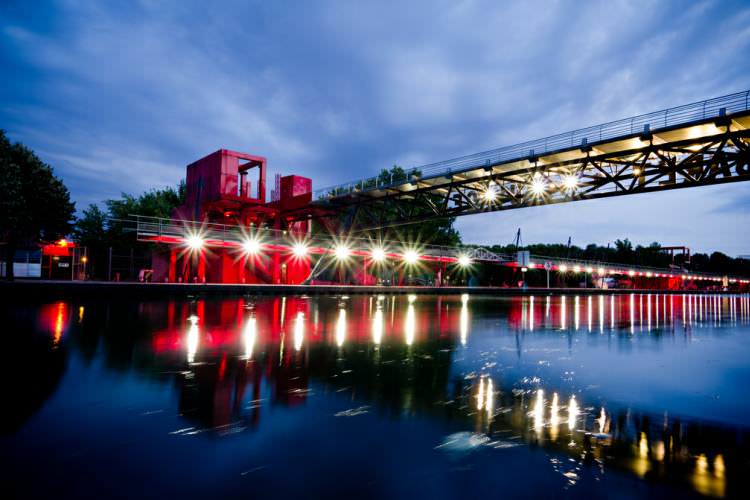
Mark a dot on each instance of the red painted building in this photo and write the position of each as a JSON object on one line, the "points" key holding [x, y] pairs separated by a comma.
{"points": [[227, 189]]}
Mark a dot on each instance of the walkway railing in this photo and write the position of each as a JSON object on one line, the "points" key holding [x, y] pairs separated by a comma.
{"points": [[671, 117]]}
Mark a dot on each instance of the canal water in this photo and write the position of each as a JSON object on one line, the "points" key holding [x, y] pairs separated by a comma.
{"points": [[378, 396]]}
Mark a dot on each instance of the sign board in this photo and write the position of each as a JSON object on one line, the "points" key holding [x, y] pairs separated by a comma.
{"points": [[524, 256], [547, 265]]}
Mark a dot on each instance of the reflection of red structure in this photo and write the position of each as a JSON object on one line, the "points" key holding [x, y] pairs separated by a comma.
{"points": [[219, 190]]}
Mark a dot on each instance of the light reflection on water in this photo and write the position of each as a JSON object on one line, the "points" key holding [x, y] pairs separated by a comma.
{"points": [[517, 367]]}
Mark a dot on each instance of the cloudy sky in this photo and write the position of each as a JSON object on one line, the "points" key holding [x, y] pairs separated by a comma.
{"points": [[120, 96]]}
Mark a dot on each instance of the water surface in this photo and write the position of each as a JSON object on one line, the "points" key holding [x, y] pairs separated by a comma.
{"points": [[373, 396]]}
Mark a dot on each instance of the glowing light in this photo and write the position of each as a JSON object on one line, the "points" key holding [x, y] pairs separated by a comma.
{"points": [[299, 249], [341, 328], [464, 260], [573, 412], [649, 274], [194, 242], [251, 246], [570, 182], [538, 186], [589, 270], [489, 403], [249, 336], [411, 298], [192, 338], [576, 269], [84, 259], [636, 171], [601, 271], [563, 268], [378, 254], [411, 257], [299, 330], [631, 273], [490, 194], [342, 252]]}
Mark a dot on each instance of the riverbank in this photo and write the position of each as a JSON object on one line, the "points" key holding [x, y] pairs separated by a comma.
{"points": [[52, 289]]}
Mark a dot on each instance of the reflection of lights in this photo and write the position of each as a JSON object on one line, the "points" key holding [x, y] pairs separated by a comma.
{"points": [[341, 252], [377, 325], [80, 313], [602, 420], [299, 330], [539, 410], [299, 249], [192, 338], [249, 335], [554, 418], [251, 246], [643, 445], [719, 467], [464, 318], [411, 298], [59, 323], [411, 257], [341, 328], [464, 260], [573, 412], [489, 403], [378, 254], [531, 313], [410, 322], [480, 394], [194, 242]]}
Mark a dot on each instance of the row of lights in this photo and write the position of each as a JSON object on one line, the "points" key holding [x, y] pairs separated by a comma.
{"points": [[538, 186], [252, 246], [648, 274]]}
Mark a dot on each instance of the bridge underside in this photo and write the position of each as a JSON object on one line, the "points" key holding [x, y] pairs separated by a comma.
{"points": [[701, 153]]}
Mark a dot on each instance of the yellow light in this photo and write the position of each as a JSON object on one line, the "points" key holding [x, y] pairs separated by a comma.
{"points": [[378, 254], [631, 273], [192, 338], [341, 328], [538, 186], [251, 246], [195, 242], [299, 331], [563, 268], [84, 259], [576, 269], [589, 270], [250, 334], [636, 171], [490, 194], [570, 182], [411, 257], [342, 252], [601, 270], [464, 260], [572, 413], [649, 274], [411, 298], [299, 249]]}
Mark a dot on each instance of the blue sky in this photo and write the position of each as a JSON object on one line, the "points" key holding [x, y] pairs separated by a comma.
{"points": [[120, 96]]}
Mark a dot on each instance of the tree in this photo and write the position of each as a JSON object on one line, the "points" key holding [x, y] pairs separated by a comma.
{"points": [[90, 229], [34, 204], [434, 232]]}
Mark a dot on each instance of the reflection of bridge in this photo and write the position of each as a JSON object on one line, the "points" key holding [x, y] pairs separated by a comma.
{"points": [[698, 144]]}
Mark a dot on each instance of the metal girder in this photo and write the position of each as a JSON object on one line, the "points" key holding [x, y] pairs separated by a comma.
{"points": [[716, 159]]}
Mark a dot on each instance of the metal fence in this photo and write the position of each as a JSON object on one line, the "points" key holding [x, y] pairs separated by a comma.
{"points": [[680, 115]]}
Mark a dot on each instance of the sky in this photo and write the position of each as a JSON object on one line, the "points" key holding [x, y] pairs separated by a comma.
{"points": [[121, 96]]}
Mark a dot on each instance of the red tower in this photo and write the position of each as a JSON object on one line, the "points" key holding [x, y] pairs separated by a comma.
{"points": [[229, 188]]}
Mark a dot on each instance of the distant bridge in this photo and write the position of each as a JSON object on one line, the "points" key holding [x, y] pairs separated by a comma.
{"points": [[699, 144]]}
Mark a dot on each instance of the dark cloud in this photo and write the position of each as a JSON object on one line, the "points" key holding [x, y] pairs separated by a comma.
{"points": [[121, 96]]}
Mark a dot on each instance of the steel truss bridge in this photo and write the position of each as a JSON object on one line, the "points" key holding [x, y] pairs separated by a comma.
{"points": [[699, 144]]}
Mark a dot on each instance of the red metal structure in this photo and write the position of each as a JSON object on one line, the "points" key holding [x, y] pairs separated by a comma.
{"points": [[229, 187]]}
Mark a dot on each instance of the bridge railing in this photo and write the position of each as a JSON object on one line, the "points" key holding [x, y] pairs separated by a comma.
{"points": [[179, 231], [679, 115]]}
